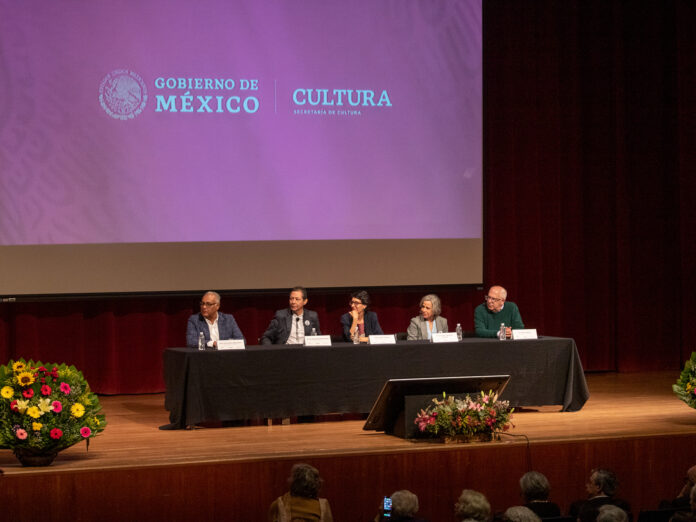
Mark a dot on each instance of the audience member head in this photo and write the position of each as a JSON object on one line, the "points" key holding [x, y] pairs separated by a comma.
{"points": [[692, 499], [534, 486], [305, 481], [404, 503], [602, 482], [611, 513], [472, 505], [520, 514], [430, 307]]}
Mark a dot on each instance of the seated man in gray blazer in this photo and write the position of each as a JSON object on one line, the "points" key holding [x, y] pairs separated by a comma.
{"points": [[291, 325], [429, 321], [215, 325]]}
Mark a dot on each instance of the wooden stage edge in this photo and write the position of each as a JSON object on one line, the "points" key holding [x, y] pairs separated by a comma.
{"points": [[632, 423]]}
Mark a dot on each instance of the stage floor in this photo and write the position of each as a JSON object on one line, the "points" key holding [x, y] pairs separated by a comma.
{"points": [[621, 406]]}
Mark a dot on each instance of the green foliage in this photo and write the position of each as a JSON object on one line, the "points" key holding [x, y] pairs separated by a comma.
{"points": [[470, 416], [685, 387], [46, 406]]}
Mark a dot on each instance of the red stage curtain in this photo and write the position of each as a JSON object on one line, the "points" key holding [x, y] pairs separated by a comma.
{"points": [[589, 145]]}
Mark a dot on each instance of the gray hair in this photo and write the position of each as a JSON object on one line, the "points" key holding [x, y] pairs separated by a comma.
{"points": [[435, 300], [472, 505], [611, 513], [605, 480], [210, 292], [521, 514], [534, 486], [404, 503]]}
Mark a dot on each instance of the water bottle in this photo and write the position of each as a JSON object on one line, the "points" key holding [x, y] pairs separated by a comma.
{"points": [[314, 331], [356, 336], [501, 333], [201, 341], [459, 332]]}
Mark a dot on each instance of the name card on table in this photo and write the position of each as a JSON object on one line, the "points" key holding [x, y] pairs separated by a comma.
{"points": [[383, 339], [527, 333], [445, 337], [317, 340], [231, 344]]}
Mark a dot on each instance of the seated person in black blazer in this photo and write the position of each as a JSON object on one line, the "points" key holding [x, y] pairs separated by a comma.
{"points": [[359, 321], [601, 488], [291, 325], [535, 489]]}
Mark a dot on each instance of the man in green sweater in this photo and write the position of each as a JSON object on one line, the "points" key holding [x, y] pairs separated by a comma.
{"points": [[489, 315]]}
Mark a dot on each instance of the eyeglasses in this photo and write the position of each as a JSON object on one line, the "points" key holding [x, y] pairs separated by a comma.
{"points": [[494, 299], [356, 303], [209, 305]]}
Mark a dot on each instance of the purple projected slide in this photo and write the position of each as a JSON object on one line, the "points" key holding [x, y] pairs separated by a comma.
{"points": [[217, 120]]}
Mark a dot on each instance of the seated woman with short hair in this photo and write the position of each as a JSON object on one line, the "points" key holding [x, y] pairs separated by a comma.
{"points": [[429, 321]]}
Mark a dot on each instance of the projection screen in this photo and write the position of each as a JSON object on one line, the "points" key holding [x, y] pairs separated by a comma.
{"points": [[164, 146]]}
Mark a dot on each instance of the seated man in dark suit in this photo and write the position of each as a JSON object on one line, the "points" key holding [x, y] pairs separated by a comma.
{"points": [[291, 325], [215, 325], [601, 488]]}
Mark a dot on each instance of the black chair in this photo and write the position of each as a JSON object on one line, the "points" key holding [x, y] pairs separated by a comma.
{"points": [[656, 515]]}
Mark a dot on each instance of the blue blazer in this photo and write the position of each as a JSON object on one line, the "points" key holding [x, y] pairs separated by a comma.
{"points": [[281, 326], [372, 326], [227, 327]]}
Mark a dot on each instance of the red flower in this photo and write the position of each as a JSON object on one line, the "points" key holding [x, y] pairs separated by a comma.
{"points": [[45, 390], [85, 432], [42, 369], [13, 406], [56, 433], [28, 393]]}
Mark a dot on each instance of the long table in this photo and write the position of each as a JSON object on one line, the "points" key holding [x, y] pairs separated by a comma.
{"points": [[285, 381]]}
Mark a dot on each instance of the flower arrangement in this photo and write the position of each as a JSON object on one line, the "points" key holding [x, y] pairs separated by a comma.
{"points": [[480, 416], [685, 387], [46, 410]]}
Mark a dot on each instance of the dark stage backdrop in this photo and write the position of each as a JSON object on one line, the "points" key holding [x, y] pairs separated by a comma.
{"points": [[589, 145]]}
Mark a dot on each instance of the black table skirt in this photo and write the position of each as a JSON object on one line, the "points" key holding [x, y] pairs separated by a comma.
{"points": [[284, 381]]}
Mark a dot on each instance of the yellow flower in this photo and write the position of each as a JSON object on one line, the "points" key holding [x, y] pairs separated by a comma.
{"points": [[7, 392], [36, 426], [96, 421], [22, 405], [77, 410], [34, 412], [25, 379], [45, 405], [18, 366]]}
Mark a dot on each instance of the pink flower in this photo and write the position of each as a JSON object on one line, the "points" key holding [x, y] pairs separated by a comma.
{"points": [[21, 434], [56, 433], [57, 406], [85, 432], [28, 393], [65, 388], [45, 390]]}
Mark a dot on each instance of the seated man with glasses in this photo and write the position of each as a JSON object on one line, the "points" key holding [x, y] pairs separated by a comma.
{"points": [[214, 325], [495, 310]]}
